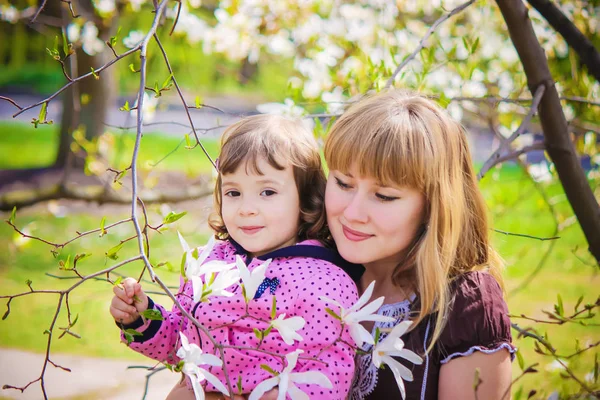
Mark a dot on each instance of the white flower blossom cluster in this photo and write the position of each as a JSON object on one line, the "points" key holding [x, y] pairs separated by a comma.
{"points": [[215, 278]]}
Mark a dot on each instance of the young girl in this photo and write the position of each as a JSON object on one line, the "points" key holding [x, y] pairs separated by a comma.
{"points": [[269, 206]]}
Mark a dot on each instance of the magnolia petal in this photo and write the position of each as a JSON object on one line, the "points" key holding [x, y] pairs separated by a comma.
{"points": [[292, 359], [398, 375], [370, 308], [360, 334], [211, 359], [328, 300], [264, 387], [378, 318], [184, 244], [215, 382], [206, 250], [400, 369], [198, 390], [311, 377], [185, 343], [407, 355], [364, 298], [297, 394], [284, 383], [401, 328], [197, 285]]}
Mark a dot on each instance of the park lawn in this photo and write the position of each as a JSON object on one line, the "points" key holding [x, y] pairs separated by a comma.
{"points": [[514, 203], [23, 146]]}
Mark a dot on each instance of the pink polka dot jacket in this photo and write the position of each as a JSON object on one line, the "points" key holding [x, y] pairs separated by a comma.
{"points": [[297, 276]]}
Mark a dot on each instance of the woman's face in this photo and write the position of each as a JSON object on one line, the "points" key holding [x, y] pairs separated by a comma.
{"points": [[370, 223]]}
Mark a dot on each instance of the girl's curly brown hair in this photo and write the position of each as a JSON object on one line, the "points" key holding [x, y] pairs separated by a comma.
{"points": [[280, 141]]}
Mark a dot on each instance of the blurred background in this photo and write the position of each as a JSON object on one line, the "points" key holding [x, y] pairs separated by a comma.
{"points": [[70, 81]]}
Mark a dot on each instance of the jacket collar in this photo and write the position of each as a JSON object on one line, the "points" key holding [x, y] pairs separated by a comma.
{"points": [[319, 252]]}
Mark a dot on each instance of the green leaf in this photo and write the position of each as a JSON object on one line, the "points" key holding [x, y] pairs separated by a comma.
{"points": [[182, 268], [28, 282], [43, 112], [66, 47], [188, 143], [65, 265], [268, 369], [258, 333], [118, 281], [132, 68], [520, 360], [74, 321], [173, 216], [128, 337], [125, 107], [576, 304], [318, 127], [466, 43], [47, 332], [273, 308], [102, 230], [152, 314], [195, 253], [112, 252], [96, 76], [156, 89], [198, 102], [167, 82], [332, 313], [81, 256], [267, 331], [239, 385], [133, 332], [13, 215], [475, 46], [560, 310], [377, 335]]}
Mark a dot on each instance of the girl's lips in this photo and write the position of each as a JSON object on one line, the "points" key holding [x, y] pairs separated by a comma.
{"points": [[250, 230], [353, 235]]}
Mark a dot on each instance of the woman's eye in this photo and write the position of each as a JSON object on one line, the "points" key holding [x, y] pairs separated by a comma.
{"points": [[386, 198], [268, 192], [232, 193], [342, 184]]}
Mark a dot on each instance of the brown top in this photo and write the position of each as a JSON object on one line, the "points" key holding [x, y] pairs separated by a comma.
{"points": [[477, 321]]}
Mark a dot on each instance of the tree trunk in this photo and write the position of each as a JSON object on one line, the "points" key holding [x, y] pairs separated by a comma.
{"points": [[556, 133]]}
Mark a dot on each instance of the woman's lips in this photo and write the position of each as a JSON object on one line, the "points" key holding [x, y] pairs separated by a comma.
{"points": [[250, 230], [353, 235]]}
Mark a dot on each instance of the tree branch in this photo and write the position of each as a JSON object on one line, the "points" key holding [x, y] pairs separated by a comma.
{"points": [[576, 40]]}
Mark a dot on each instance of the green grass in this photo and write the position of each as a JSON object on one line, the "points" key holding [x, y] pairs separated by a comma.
{"points": [[23, 146], [514, 203]]}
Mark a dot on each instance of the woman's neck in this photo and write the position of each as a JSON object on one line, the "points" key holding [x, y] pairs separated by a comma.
{"points": [[384, 284]]}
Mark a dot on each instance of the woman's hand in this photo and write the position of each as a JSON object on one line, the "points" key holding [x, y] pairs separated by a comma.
{"points": [[128, 301]]}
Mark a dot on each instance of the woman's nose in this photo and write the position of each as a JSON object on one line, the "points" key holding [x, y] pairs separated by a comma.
{"points": [[355, 209]]}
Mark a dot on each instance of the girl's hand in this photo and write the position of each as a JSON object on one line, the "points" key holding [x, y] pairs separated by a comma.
{"points": [[128, 301], [271, 395]]}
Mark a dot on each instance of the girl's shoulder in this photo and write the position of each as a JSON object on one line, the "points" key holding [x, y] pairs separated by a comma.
{"points": [[477, 318]]}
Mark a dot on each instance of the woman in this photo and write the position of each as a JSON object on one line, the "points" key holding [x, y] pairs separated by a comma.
{"points": [[402, 200]]}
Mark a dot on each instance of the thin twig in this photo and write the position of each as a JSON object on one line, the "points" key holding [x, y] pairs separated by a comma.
{"points": [[424, 39], [527, 236]]}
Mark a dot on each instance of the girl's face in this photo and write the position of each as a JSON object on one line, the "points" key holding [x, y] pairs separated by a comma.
{"points": [[261, 212], [372, 224]]}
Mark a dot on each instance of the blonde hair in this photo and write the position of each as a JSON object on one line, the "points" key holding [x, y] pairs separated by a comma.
{"points": [[401, 138], [279, 141]]}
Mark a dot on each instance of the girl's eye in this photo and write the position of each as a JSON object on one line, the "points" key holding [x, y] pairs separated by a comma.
{"points": [[232, 193], [341, 184], [385, 198], [268, 192]]}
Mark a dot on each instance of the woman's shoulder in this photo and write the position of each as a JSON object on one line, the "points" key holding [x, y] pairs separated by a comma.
{"points": [[477, 318]]}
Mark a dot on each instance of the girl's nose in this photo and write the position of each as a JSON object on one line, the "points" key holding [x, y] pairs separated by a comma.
{"points": [[248, 208]]}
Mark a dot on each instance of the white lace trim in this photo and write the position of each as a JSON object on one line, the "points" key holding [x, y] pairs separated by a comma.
{"points": [[365, 375], [512, 350]]}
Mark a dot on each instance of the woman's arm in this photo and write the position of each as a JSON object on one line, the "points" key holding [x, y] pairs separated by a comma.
{"points": [[457, 377]]}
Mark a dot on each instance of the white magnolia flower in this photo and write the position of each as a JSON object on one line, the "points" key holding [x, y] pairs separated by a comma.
{"points": [[251, 280], [196, 266], [73, 32], [393, 346], [105, 6], [133, 39], [287, 108], [89, 39], [288, 328], [215, 286], [287, 379], [355, 315], [192, 357], [9, 13]]}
